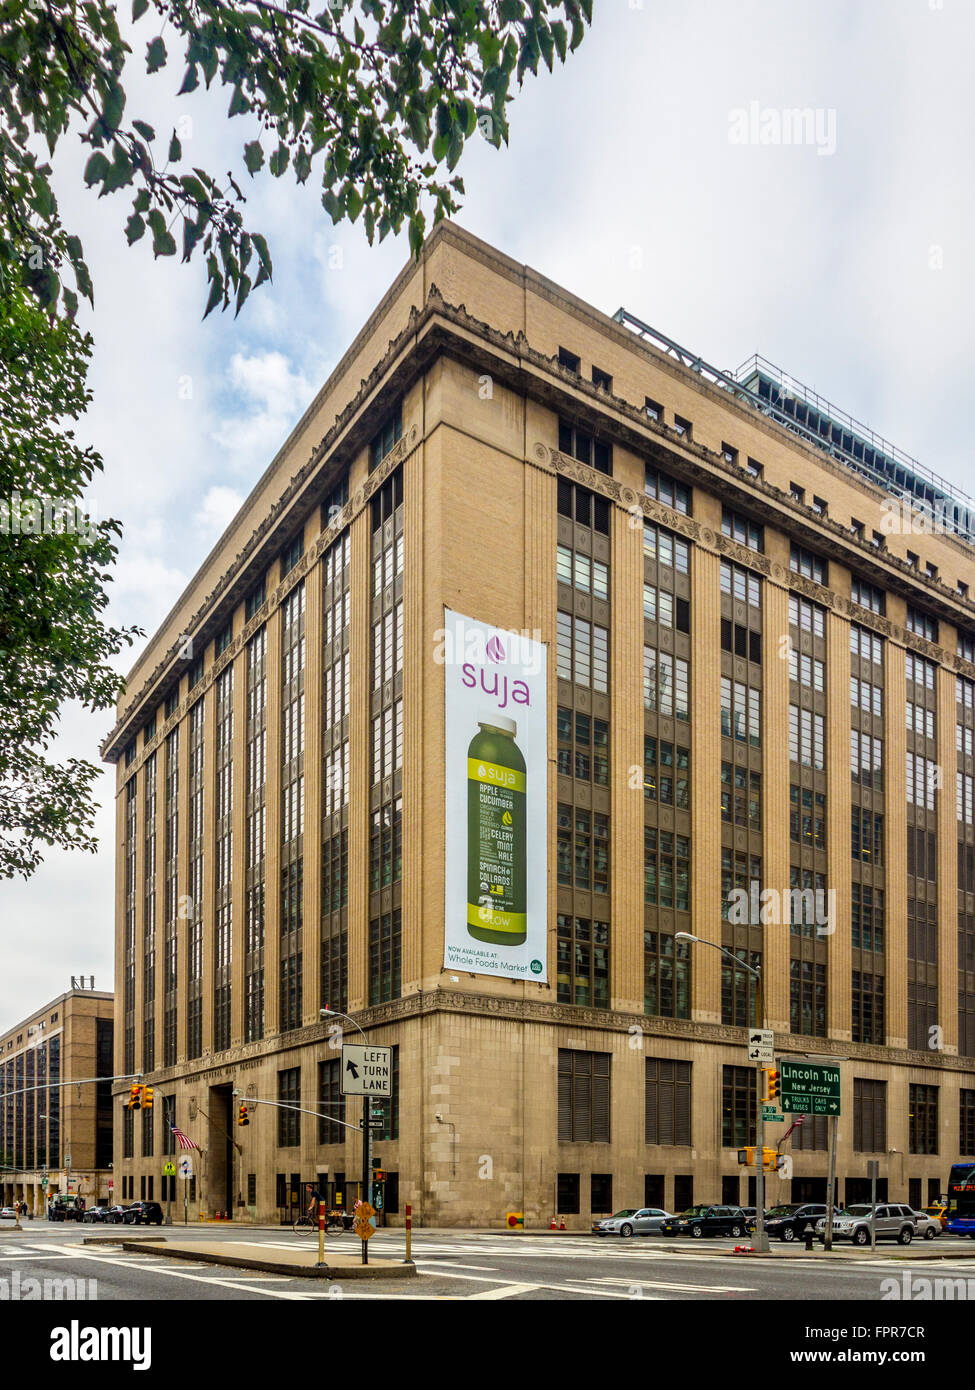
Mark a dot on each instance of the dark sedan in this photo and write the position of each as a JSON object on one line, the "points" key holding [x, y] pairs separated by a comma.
{"points": [[143, 1214], [706, 1221], [789, 1220], [96, 1214]]}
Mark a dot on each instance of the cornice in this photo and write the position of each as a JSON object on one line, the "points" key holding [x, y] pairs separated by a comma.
{"points": [[423, 1004]]}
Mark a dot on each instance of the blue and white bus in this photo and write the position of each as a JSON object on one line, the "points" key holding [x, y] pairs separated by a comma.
{"points": [[961, 1200]]}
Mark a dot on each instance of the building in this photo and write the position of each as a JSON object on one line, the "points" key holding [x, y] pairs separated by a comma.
{"points": [[55, 1115], [760, 630]]}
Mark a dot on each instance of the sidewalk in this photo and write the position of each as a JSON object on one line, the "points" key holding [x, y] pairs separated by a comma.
{"points": [[302, 1262]]}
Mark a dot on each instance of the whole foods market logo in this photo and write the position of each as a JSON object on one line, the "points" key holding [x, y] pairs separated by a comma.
{"points": [[536, 967]]}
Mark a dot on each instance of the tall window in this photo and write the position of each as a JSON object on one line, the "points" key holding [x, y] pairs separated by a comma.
{"points": [[331, 1102], [582, 975], [194, 934], [583, 1097], [223, 855], [149, 917], [385, 957], [128, 992], [667, 1117], [336, 661], [292, 806], [923, 1120], [386, 816], [737, 1106], [170, 949], [289, 1116], [256, 837], [869, 1116]]}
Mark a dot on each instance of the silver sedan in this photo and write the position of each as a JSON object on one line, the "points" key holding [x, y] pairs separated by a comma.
{"points": [[642, 1222]]}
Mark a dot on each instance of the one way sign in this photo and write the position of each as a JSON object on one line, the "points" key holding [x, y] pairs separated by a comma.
{"points": [[366, 1071]]}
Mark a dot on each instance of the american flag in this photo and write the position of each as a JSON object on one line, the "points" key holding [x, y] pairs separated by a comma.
{"points": [[181, 1139]]}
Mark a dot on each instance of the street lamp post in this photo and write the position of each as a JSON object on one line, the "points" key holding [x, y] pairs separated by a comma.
{"points": [[366, 1131], [761, 1239]]}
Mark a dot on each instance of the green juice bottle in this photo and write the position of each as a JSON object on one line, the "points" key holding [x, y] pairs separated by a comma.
{"points": [[496, 828]]}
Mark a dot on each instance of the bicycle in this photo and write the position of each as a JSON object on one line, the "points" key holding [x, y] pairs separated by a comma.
{"points": [[307, 1223]]}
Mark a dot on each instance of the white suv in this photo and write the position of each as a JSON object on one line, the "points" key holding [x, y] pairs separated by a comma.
{"points": [[894, 1222]]}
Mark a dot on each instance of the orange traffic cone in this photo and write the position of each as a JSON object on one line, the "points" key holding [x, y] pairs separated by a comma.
{"points": [[562, 1224], [553, 1226]]}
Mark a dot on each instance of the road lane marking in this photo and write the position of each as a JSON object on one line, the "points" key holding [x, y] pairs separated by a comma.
{"points": [[504, 1291]]}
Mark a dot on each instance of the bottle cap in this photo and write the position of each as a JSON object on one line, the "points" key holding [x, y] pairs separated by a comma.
{"points": [[497, 721]]}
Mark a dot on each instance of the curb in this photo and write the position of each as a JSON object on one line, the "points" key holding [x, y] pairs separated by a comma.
{"points": [[401, 1270]]}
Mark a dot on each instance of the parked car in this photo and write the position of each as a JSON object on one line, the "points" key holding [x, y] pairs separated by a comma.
{"points": [[788, 1220], [894, 1222], [94, 1215], [706, 1221], [927, 1226], [143, 1214], [939, 1212], [115, 1215], [8, 1213], [641, 1222]]}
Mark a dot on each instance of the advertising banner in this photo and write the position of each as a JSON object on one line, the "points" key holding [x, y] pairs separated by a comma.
{"points": [[496, 895]]}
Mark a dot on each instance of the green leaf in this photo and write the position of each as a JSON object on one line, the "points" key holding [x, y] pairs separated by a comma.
{"points": [[238, 102], [302, 164], [353, 202], [70, 302], [279, 161], [253, 156], [134, 228], [96, 168], [216, 293], [139, 8], [113, 105], [145, 130], [190, 83], [155, 55], [175, 150]]}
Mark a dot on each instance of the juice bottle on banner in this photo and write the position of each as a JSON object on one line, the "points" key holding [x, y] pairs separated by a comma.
{"points": [[496, 833]]}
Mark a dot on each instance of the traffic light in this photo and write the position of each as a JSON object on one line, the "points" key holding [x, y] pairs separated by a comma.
{"points": [[135, 1098], [746, 1157], [379, 1175], [147, 1097], [773, 1083], [770, 1159], [242, 1114]]}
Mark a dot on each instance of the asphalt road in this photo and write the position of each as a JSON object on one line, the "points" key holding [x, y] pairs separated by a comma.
{"points": [[469, 1266]]}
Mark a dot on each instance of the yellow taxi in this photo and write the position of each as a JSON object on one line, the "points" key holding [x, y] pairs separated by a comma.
{"points": [[938, 1211]]}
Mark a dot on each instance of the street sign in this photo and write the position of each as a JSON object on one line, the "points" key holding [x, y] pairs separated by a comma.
{"points": [[771, 1114], [809, 1088], [761, 1046], [365, 1220], [366, 1071], [185, 1168], [374, 1124], [169, 1169], [44, 1181]]}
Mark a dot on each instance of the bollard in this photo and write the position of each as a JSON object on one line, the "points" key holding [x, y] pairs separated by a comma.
{"points": [[409, 1232]]}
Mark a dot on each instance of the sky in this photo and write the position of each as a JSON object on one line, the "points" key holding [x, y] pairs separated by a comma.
{"points": [[632, 179]]}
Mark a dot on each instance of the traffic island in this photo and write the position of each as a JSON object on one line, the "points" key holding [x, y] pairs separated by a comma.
{"points": [[300, 1263]]}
